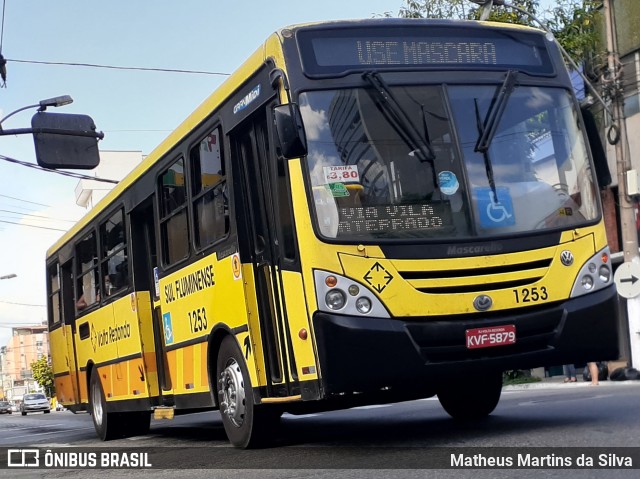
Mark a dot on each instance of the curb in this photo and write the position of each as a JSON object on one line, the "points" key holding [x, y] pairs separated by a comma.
{"points": [[563, 385]]}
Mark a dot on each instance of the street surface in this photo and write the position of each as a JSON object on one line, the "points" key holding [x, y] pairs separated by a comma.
{"points": [[364, 442]]}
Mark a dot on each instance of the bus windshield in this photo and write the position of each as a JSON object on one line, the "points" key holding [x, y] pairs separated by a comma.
{"points": [[371, 181]]}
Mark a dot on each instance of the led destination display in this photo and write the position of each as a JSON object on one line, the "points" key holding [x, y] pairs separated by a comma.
{"points": [[339, 51]]}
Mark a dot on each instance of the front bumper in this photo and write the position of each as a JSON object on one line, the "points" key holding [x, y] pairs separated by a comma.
{"points": [[361, 354], [36, 408]]}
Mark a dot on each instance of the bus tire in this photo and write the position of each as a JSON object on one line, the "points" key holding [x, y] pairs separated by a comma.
{"points": [[246, 424], [108, 426], [473, 398]]}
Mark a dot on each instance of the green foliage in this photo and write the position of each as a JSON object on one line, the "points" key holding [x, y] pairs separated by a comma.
{"points": [[465, 10], [43, 374], [575, 24], [518, 376], [458, 9]]}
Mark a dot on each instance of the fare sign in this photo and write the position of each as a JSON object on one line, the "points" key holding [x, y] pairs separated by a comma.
{"points": [[491, 336]]}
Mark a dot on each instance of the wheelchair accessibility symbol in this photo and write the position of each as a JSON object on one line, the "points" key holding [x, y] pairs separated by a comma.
{"points": [[168, 328], [495, 214]]}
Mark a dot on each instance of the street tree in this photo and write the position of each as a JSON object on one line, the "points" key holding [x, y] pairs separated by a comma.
{"points": [[43, 374]]}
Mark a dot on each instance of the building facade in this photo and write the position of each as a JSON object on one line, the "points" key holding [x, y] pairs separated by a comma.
{"points": [[27, 345]]}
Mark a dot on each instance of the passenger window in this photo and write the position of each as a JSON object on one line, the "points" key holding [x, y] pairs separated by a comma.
{"points": [[87, 293], [173, 214], [209, 193], [115, 267], [54, 295]]}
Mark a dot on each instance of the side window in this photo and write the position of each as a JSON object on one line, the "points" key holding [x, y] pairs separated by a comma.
{"points": [[54, 295], [87, 293], [173, 214], [209, 194], [115, 268]]}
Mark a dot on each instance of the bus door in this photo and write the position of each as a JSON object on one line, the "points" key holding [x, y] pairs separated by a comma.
{"points": [[259, 243], [145, 260], [68, 319]]}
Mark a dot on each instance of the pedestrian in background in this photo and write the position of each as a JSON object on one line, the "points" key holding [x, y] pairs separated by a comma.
{"points": [[570, 373], [594, 371]]}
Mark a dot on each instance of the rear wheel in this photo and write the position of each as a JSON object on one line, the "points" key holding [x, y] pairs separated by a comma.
{"points": [[472, 398], [108, 425], [247, 424]]}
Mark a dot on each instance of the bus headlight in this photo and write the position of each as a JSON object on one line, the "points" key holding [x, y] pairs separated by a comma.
{"points": [[339, 294], [363, 305], [605, 274], [594, 275], [335, 299]]}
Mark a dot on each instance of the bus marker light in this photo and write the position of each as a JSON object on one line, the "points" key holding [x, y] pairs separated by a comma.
{"points": [[302, 334], [331, 281]]}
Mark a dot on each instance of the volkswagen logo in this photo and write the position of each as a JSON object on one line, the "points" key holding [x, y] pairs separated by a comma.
{"points": [[566, 257], [482, 302]]}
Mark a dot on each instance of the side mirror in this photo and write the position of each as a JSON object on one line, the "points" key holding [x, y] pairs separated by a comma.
{"points": [[65, 141], [290, 130], [597, 148]]}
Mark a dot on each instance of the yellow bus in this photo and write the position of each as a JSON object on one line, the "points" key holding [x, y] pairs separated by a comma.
{"points": [[364, 212]]}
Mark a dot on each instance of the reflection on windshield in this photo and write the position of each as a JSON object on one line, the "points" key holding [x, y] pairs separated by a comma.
{"points": [[368, 181]]}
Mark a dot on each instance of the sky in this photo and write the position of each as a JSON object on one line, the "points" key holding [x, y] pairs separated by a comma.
{"points": [[135, 109]]}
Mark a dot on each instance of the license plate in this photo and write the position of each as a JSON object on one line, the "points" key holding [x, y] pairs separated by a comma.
{"points": [[491, 336]]}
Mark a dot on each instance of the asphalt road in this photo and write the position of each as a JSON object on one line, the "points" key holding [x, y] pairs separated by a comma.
{"points": [[376, 441]]}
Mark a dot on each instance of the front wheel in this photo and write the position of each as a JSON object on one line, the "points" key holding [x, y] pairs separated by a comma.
{"points": [[472, 398], [106, 423], [247, 424]]}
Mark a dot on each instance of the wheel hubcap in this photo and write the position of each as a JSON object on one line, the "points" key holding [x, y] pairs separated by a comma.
{"points": [[96, 404], [232, 393]]}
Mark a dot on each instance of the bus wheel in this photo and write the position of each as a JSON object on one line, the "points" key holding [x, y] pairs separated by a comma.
{"points": [[106, 424], [472, 398], [245, 423]]}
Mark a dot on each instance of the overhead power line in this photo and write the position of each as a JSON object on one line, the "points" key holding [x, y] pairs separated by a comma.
{"points": [[32, 226], [25, 201], [63, 173], [117, 67], [23, 304], [44, 217]]}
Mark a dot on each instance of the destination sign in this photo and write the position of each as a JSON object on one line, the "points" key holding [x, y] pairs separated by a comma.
{"points": [[394, 218], [339, 51]]}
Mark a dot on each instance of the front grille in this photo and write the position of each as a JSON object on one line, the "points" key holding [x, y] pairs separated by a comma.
{"points": [[468, 280]]}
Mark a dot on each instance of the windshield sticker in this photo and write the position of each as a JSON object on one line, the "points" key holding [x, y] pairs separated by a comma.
{"points": [[448, 182], [338, 190], [247, 100], [341, 174], [495, 214]]}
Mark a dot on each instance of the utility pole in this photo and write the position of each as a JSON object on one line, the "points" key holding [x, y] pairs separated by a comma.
{"points": [[628, 272]]}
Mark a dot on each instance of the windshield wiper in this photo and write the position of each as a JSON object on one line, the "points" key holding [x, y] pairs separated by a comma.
{"points": [[400, 120], [492, 120]]}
